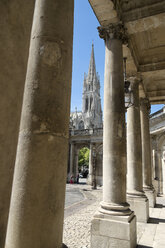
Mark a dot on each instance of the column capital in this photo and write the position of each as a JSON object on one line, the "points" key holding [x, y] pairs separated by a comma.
{"points": [[114, 31]]}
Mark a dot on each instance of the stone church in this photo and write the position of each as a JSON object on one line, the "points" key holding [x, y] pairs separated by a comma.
{"points": [[91, 114], [86, 127]]}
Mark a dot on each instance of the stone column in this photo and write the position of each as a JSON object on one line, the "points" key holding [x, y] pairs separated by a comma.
{"points": [[114, 224], [153, 164], [75, 164], [136, 197], [71, 161], [94, 183], [90, 165], [15, 31], [163, 172], [154, 170], [38, 193], [160, 175], [146, 152]]}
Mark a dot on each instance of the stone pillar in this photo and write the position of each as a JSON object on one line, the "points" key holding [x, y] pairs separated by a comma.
{"points": [[90, 165], [136, 197], [160, 175], [146, 152], [94, 183], [114, 224], [38, 193], [163, 172], [153, 164], [76, 171], [155, 179], [15, 31], [71, 161]]}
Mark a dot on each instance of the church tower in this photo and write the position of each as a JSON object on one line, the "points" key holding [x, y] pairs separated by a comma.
{"points": [[91, 109]]}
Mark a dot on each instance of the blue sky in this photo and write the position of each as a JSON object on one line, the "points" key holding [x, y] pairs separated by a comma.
{"points": [[85, 31]]}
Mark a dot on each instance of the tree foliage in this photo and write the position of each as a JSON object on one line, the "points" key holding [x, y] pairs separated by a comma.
{"points": [[83, 158]]}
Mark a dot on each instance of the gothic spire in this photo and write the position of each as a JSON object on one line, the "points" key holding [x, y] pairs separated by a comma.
{"points": [[92, 67]]}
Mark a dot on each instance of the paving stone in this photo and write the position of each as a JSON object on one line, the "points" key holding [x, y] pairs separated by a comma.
{"points": [[77, 225]]}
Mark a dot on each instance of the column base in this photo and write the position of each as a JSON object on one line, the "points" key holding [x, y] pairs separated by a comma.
{"points": [[140, 205], [151, 195], [113, 231]]}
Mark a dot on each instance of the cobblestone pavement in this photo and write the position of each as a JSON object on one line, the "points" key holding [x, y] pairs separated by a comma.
{"points": [[78, 218]]}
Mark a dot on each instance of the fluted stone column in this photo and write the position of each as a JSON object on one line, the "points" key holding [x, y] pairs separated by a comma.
{"points": [[114, 224], [146, 152], [90, 165], [38, 193], [136, 197]]}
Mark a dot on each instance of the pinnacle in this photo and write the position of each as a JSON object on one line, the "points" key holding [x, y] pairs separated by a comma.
{"points": [[92, 67]]}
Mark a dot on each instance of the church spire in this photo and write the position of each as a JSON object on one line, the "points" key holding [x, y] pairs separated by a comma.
{"points": [[91, 111], [92, 67]]}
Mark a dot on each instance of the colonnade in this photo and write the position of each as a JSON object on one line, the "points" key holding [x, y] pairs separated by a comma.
{"points": [[38, 192], [136, 196], [94, 176]]}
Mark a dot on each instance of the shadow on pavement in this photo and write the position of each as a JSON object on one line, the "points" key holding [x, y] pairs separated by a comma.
{"points": [[144, 246], [156, 220], [159, 206]]}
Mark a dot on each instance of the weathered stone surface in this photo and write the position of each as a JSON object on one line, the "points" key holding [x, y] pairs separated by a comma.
{"points": [[15, 29], [146, 152], [151, 195], [37, 202], [140, 205], [113, 232], [114, 136]]}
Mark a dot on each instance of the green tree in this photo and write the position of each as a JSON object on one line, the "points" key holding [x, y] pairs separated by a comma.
{"points": [[83, 158]]}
